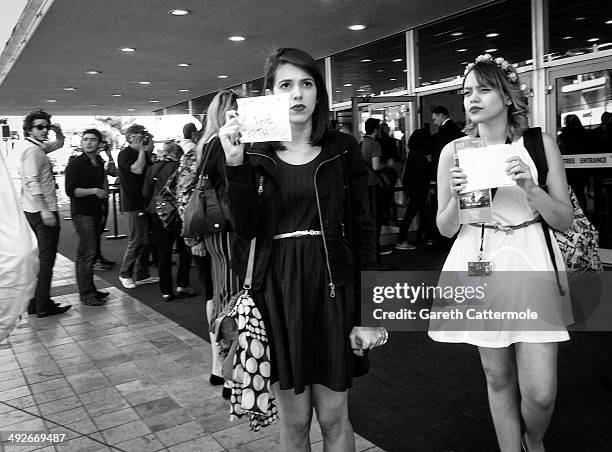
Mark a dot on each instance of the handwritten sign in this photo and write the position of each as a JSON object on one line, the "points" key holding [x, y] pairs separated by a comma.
{"points": [[264, 118]]}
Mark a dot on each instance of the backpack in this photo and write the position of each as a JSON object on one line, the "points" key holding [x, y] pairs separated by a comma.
{"points": [[579, 244]]}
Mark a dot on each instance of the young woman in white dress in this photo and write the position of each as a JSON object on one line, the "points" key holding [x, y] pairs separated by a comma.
{"points": [[520, 366]]}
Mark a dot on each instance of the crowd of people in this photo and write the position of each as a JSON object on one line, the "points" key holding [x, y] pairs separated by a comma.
{"points": [[314, 206]]}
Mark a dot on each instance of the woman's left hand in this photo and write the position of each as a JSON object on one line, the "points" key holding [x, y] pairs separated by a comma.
{"points": [[520, 172], [364, 338]]}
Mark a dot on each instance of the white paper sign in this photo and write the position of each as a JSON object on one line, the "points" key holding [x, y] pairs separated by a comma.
{"points": [[485, 167], [264, 118]]}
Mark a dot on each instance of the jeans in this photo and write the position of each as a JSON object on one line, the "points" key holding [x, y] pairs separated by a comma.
{"points": [[48, 239], [417, 203], [164, 240], [135, 260], [88, 229]]}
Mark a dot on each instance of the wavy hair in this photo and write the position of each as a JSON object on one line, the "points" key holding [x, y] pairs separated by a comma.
{"points": [[491, 75], [223, 101], [28, 122]]}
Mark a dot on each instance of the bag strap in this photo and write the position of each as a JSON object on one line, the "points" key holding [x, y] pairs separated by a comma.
{"points": [[532, 139], [248, 279], [206, 150]]}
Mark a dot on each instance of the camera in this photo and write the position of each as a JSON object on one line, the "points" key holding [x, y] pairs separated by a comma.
{"points": [[146, 138]]}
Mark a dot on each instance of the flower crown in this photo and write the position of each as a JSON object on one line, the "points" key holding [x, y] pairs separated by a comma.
{"points": [[506, 67]]}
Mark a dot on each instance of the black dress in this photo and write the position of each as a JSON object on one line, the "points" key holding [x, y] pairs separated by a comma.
{"points": [[308, 330]]}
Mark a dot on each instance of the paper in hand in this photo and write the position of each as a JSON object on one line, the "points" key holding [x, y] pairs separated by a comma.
{"points": [[485, 167], [264, 118]]}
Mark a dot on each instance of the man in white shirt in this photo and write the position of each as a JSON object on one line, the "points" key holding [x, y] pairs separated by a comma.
{"points": [[39, 202]]}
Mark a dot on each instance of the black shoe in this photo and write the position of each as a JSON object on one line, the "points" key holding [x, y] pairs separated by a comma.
{"points": [[32, 307], [93, 301], [99, 294], [53, 310], [168, 297], [104, 261], [226, 393], [216, 380]]}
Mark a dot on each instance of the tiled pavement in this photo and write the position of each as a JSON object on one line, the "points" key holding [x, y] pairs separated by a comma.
{"points": [[121, 377]]}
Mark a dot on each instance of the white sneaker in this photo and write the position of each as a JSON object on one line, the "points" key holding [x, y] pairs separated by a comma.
{"points": [[405, 246], [149, 280], [128, 283]]}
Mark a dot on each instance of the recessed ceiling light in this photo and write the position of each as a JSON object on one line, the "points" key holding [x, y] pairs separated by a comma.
{"points": [[405, 70], [236, 38], [397, 60], [144, 83], [338, 91], [567, 37], [131, 109], [116, 95], [491, 50], [222, 76], [578, 19], [183, 65], [179, 12], [462, 50], [357, 27], [492, 35], [183, 90], [93, 72], [128, 49], [609, 22], [69, 88], [154, 101], [362, 90], [348, 84], [95, 105], [380, 70], [593, 40], [393, 79], [51, 100], [456, 33], [366, 60]]}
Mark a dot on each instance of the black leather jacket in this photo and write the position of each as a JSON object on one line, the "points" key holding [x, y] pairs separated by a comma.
{"points": [[348, 235]]}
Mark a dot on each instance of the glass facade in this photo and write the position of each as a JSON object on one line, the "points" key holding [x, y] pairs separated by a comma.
{"points": [[576, 28], [375, 68], [445, 47]]}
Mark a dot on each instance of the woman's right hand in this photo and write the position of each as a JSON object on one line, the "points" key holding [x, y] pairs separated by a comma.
{"points": [[229, 134], [198, 250], [458, 180]]}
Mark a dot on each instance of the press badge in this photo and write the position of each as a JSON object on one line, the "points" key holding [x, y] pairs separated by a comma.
{"points": [[480, 268]]}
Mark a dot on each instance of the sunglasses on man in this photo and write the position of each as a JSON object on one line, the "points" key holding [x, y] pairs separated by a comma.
{"points": [[41, 127]]}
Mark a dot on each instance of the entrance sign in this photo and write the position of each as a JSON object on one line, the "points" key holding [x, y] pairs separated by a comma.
{"points": [[264, 118], [587, 160]]}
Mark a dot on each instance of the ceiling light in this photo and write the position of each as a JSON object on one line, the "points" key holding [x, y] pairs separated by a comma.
{"points": [[577, 19], [457, 33], [117, 95], [95, 105], [462, 50], [338, 91], [393, 79], [405, 70], [51, 100], [179, 12], [154, 101], [397, 60], [222, 76], [380, 70], [93, 72], [144, 83], [183, 90], [491, 50], [593, 40], [609, 22], [183, 65], [567, 37], [69, 88], [365, 60], [131, 109], [492, 35], [357, 27], [128, 49], [236, 38], [348, 84]]}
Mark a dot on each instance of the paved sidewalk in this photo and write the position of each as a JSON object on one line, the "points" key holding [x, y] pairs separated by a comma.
{"points": [[120, 377]]}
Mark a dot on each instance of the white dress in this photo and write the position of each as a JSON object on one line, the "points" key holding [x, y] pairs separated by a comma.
{"points": [[524, 250]]}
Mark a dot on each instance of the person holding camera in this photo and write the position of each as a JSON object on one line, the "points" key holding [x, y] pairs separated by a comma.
{"points": [[133, 162], [88, 191]]}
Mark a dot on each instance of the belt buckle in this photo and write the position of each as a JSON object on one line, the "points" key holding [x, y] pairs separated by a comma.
{"points": [[508, 230]]}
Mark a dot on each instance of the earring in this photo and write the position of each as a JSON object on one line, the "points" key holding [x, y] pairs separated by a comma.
{"points": [[508, 102]]}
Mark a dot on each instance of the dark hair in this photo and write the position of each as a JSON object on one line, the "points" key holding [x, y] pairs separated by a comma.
{"points": [[28, 122], [95, 132], [494, 77], [573, 122], [605, 117], [419, 139], [441, 110], [188, 130], [299, 58], [371, 125]]}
